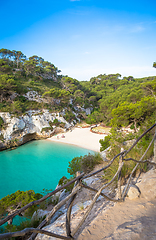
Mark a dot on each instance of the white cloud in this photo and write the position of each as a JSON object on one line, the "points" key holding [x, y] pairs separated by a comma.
{"points": [[86, 52], [137, 29]]}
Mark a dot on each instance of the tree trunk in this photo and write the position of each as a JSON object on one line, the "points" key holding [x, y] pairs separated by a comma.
{"points": [[135, 127]]}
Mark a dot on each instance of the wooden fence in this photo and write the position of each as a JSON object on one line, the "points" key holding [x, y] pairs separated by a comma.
{"points": [[78, 185]]}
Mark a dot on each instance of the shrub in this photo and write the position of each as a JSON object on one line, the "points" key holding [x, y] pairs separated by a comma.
{"points": [[24, 224], [46, 129], [1, 123], [19, 198], [116, 141], [104, 143], [84, 163], [65, 180], [69, 116], [56, 122]]}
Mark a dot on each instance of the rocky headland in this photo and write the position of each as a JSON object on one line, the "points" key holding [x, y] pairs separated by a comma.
{"points": [[34, 124]]}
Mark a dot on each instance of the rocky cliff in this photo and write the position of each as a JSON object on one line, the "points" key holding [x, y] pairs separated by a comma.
{"points": [[34, 124]]}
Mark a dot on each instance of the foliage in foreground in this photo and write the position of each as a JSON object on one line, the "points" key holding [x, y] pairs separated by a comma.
{"points": [[17, 200], [65, 180], [117, 141], [84, 163], [24, 224]]}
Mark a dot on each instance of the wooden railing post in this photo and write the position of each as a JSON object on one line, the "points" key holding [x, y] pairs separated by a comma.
{"points": [[119, 175], [68, 214]]}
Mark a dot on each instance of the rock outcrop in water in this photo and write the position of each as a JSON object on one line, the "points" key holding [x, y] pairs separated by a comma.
{"points": [[34, 124]]}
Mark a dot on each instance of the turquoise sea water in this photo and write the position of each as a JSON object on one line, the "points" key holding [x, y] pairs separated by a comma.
{"points": [[36, 165]]}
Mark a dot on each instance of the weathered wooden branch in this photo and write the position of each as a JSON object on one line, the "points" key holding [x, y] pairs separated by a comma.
{"points": [[30, 230], [38, 201], [93, 202], [154, 125], [134, 160], [55, 209], [73, 195], [119, 177], [129, 180], [102, 194], [91, 174], [68, 214]]}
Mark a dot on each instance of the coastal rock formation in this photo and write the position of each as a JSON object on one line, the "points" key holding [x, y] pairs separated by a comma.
{"points": [[147, 185], [34, 96], [131, 219], [34, 124]]}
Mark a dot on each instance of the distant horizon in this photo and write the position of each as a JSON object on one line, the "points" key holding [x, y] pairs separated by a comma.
{"points": [[84, 38]]}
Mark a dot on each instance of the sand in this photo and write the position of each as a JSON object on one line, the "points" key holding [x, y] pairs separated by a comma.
{"points": [[81, 137]]}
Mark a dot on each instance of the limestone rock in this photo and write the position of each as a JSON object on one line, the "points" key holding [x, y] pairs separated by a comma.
{"points": [[39, 214], [58, 226], [147, 185], [34, 96], [91, 180], [104, 154], [34, 124], [133, 192]]}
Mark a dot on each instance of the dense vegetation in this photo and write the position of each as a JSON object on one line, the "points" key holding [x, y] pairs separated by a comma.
{"points": [[19, 75], [15, 201], [120, 102], [84, 163], [114, 101], [18, 200]]}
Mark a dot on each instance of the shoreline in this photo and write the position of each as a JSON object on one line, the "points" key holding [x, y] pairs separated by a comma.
{"points": [[81, 137]]}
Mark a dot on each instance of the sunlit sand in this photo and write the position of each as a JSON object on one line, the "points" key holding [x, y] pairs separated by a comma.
{"points": [[81, 137]]}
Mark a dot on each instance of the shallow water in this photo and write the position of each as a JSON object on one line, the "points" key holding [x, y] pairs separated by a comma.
{"points": [[36, 165]]}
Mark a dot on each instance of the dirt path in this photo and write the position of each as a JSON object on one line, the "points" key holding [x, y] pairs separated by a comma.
{"points": [[130, 220], [133, 219]]}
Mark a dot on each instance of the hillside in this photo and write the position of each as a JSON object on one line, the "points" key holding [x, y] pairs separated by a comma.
{"points": [[35, 99]]}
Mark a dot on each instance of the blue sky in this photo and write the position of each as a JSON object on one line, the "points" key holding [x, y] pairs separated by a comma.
{"points": [[83, 38]]}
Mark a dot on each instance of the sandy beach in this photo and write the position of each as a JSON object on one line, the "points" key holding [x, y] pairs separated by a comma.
{"points": [[81, 137]]}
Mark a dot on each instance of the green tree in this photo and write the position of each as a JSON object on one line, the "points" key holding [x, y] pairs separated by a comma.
{"points": [[30, 67], [5, 53], [18, 57], [7, 86], [1, 122], [84, 163], [4, 66], [134, 112], [18, 200], [154, 64], [150, 87]]}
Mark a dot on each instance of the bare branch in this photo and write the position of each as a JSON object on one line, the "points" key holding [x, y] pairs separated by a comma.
{"points": [[30, 230], [145, 161], [102, 194], [38, 201], [128, 183], [91, 174], [94, 200]]}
